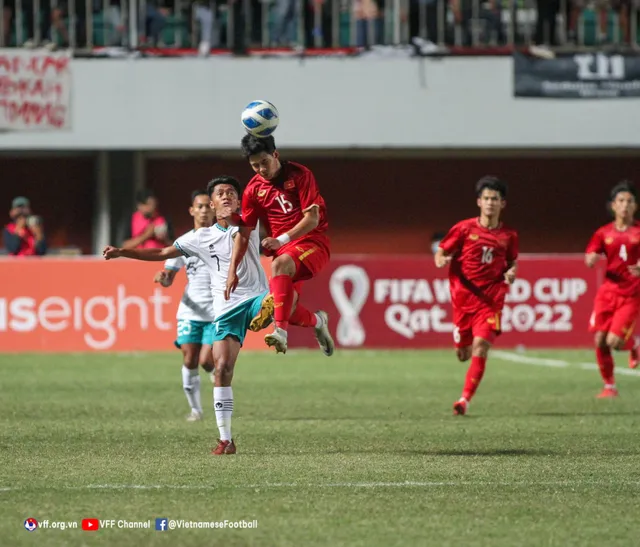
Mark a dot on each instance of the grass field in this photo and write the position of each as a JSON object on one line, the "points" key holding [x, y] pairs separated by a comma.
{"points": [[360, 449]]}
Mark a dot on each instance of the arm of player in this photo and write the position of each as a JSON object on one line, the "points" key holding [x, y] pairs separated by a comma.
{"points": [[595, 247], [309, 222], [442, 258], [240, 246], [590, 259], [165, 277], [512, 259], [148, 255], [511, 273], [450, 245]]}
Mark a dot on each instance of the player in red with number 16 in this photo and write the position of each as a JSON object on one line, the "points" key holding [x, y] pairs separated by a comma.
{"points": [[481, 253], [284, 196]]}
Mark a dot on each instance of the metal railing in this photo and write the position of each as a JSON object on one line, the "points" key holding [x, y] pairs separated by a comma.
{"points": [[241, 24]]}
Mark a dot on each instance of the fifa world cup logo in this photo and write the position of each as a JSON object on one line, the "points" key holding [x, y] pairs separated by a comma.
{"points": [[350, 331]]}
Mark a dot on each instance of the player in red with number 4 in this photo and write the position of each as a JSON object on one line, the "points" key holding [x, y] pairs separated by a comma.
{"points": [[481, 253], [617, 301], [284, 196]]}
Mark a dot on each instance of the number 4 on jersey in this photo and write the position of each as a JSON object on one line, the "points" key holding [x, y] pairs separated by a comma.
{"points": [[623, 252]]}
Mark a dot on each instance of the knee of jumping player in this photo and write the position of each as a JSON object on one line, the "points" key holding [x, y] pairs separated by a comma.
{"points": [[283, 265], [600, 340], [463, 354], [480, 347], [614, 341]]}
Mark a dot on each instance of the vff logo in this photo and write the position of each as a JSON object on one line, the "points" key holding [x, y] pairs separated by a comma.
{"points": [[599, 66]]}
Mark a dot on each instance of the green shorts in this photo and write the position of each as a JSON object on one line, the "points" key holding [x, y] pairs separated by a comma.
{"points": [[236, 321], [194, 332]]}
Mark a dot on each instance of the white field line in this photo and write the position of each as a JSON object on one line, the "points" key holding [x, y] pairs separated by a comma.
{"points": [[557, 363], [404, 484]]}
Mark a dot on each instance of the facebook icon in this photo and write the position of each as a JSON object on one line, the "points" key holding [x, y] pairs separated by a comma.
{"points": [[161, 524]]}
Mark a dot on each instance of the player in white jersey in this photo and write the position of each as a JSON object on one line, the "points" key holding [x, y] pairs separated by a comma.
{"points": [[214, 246], [195, 313]]}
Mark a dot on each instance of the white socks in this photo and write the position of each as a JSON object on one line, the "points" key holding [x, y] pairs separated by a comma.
{"points": [[223, 405], [191, 386]]}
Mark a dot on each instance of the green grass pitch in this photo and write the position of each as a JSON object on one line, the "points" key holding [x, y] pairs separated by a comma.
{"points": [[360, 450]]}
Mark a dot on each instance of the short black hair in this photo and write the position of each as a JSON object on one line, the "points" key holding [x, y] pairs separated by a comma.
{"points": [[254, 145], [489, 182], [624, 186], [197, 193], [223, 179], [143, 195]]}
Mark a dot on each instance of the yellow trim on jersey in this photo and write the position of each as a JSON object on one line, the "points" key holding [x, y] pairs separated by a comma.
{"points": [[629, 331], [307, 253]]}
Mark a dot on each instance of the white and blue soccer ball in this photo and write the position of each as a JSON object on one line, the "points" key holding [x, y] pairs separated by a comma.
{"points": [[260, 118]]}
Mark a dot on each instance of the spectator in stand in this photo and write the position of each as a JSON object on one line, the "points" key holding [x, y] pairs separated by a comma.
{"points": [[149, 229], [24, 235], [547, 12], [436, 239]]}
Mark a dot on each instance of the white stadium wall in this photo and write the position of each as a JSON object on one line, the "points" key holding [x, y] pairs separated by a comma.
{"points": [[168, 104]]}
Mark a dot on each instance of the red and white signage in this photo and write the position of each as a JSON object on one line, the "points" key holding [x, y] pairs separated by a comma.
{"points": [[404, 302], [88, 304], [35, 90]]}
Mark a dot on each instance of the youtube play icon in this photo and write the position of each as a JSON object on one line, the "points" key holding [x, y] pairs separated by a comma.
{"points": [[89, 525]]}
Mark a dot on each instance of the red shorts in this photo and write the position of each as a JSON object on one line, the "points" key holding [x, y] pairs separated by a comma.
{"points": [[483, 323], [310, 255], [614, 313]]}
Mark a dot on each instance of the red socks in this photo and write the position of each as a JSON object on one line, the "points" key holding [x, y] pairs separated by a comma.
{"points": [[474, 376], [302, 317], [605, 362], [282, 289]]}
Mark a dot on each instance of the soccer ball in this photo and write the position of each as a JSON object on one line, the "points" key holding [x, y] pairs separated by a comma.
{"points": [[260, 118]]}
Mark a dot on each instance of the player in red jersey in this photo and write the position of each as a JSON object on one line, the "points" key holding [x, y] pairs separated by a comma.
{"points": [[617, 302], [481, 253], [284, 196]]}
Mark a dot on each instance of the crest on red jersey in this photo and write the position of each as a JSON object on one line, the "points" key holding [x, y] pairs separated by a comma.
{"points": [[609, 240], [288, 185], [474, 237], [261, 193]]}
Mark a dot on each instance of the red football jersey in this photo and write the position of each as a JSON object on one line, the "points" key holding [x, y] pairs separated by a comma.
{"points": [[281, 203], [622, 250], [480, 258]]}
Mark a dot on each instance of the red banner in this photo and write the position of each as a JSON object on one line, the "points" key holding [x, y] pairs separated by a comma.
{"points": [[404, 302], [89, 304]]}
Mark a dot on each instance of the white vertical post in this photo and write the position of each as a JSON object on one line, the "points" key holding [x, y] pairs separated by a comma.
{"points": [[102, 216]]}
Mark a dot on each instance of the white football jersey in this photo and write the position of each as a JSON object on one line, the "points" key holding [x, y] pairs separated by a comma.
{"points": [[214, 247], [197, 300]]}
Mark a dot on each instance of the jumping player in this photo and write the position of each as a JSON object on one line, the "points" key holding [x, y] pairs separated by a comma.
{"points": [[617, 302], [481, 253], [285, 197], [232, 316], [195, 312]]}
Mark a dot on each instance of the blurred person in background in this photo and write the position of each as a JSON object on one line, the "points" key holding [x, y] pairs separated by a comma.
{"points": [[436, 239], [24, 235], [206, 14], [149, 229], [547, 12]]}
